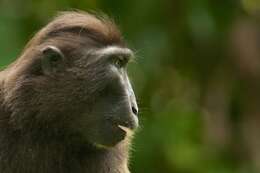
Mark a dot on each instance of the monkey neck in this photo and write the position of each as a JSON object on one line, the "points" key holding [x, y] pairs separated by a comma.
{"points": [[29, 154]]}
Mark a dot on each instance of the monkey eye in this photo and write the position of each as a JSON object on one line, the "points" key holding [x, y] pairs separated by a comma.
{"points": [[119, 61]]}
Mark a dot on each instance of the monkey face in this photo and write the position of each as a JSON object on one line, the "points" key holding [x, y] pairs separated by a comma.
{"points": [[99, 92], [115, 103]]}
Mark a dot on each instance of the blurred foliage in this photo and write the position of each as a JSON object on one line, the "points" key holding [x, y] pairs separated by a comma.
{"points": [[251, 5], [192, 95]]}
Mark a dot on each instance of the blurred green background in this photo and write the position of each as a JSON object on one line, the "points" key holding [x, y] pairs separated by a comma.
{"points": [[196, 76]]}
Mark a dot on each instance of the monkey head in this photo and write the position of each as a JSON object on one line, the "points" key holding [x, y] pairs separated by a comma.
{"points": [[71, 80]]}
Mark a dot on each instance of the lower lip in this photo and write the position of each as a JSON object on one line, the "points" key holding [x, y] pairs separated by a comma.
{"points": [[128, 131]]}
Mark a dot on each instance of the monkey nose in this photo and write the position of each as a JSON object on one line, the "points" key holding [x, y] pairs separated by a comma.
{"points": [[134, 110]]}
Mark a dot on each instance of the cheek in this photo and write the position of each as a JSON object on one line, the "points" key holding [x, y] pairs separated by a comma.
{"points": [[97, 130], [101, 123], [104, 103]]}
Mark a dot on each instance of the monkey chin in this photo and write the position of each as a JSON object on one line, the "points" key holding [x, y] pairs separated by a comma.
{"points": [[128, 134]]}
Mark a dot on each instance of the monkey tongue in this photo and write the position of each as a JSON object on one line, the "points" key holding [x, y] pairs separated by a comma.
{"points": [[128, 131]]}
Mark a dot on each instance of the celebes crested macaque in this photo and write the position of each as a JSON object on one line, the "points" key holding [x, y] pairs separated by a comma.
{"points": [[66, 104]]}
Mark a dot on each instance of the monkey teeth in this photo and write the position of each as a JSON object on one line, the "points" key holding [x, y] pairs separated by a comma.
{"points": [[128, 131]]}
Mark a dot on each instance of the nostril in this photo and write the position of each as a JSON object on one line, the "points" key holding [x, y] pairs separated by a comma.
{"points": [[134, 110]]}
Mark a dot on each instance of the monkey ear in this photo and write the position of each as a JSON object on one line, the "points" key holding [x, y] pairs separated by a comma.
{"points": [[53, 60]]}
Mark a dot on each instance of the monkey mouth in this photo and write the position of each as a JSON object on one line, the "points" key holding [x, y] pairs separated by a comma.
{"points": [[127, 130], [112, 138]]}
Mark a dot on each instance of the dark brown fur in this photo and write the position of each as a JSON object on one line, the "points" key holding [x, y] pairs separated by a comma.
{"points": [[34, 133]]}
